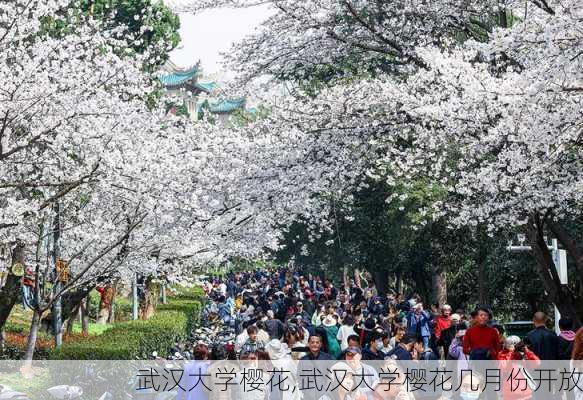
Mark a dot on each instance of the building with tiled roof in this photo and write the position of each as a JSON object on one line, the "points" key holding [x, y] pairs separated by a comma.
{"points": [[197, 94]]}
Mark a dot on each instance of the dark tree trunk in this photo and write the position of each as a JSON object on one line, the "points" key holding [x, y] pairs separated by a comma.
{"points": [[557, 293], [69, 326], [381, 281], [72, 301], [482, 289], [11, 289], [399, 281]]}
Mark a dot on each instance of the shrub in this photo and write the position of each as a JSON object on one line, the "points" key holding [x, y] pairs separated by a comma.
{"points": [[138, 339]]}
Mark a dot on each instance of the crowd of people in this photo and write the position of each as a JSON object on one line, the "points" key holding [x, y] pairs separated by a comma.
{"points": [[293, 308], [286, 315]]}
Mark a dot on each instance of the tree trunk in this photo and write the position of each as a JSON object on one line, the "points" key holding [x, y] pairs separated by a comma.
{"points": [[556, 292], [149, 299], [482, 289], [399, 281], [357, 278], [70, 323], [11, 289], [31, 344], [105, 304], [111, 316], [84, 311], [71, 301], [439, 284], [381, 281]]}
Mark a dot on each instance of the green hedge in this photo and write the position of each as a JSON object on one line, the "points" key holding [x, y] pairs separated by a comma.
{"points": [[138, 339]]}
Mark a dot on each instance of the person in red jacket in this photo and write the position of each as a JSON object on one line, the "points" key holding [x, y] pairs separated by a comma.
{"points": [[515, 350], [482, 342], [441, 323]]}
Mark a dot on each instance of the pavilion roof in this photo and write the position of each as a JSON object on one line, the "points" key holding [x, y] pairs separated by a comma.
{"points": [[177, 78]]}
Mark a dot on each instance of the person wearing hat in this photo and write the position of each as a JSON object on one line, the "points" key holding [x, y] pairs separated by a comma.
{"points": [[302, 313], [278, 351], [328, 330], [353, 357], [403, 349]]}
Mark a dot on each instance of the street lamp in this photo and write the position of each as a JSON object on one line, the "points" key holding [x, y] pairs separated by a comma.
{"points": [[559, 259]]}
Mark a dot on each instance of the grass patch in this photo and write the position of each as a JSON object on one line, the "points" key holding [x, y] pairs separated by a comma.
{"points": [[94, 329]]}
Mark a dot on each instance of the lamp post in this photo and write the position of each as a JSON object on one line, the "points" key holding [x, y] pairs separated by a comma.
{"points": [[559, 259]]}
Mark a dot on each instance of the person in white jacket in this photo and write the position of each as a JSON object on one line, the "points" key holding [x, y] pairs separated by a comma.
{"points": [[345, 331]]}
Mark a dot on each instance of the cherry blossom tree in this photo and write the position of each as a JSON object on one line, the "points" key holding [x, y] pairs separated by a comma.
{"points": [[488, 117]]}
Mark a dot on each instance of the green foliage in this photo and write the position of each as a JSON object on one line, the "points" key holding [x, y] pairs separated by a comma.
{"points": [[138, 339], [151, 25]]}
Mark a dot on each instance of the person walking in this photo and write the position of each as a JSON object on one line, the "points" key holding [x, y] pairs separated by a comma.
{"points": [[544, 342], [441, 323], [199, 366], [482, 342], [418, 324]]}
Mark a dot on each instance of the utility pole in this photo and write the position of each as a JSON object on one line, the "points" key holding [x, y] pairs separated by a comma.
{"points": [[56, 252], [560, 261]]}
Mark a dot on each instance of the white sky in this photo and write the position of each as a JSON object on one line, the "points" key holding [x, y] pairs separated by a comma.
{"points": [[207, 34]]}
